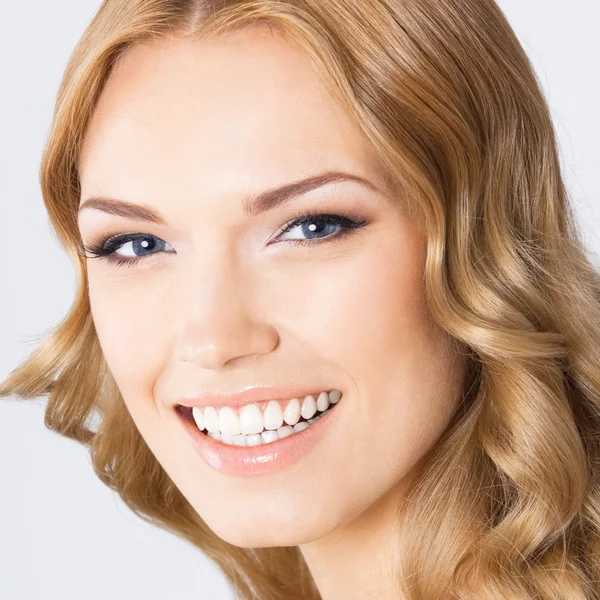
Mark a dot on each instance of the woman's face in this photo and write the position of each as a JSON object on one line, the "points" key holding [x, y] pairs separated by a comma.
{"points": [[221, 300]]}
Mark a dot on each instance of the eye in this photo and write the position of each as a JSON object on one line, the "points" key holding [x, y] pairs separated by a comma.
{"points": [[320, 228], [132, 246]]}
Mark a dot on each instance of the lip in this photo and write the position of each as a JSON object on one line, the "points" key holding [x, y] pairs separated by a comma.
{"points": [[265, 458], [253, 394]]}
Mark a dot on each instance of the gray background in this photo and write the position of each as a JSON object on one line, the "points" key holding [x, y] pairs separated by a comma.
{"points": [[63, 535]]}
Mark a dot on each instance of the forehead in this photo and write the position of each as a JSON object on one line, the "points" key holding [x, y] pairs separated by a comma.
{"points": [[243, 110]]}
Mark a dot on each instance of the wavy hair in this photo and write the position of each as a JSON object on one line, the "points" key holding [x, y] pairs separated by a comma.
{"points": [[506, 504]]}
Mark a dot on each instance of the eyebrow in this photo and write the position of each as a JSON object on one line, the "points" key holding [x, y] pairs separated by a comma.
{"points": [[252, 205]]}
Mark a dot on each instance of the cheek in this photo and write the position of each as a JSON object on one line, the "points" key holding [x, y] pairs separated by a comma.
{"points": [[127, 315], [369, 317], [361, 312]]}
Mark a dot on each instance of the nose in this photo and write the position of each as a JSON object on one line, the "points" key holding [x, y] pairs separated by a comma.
{"points": [[221, 323]]}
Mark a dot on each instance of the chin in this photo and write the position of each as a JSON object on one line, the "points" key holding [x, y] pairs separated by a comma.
{"points": [[258, 536]]}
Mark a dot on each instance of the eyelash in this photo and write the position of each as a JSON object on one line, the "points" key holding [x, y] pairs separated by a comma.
{"points": [[105, 249]]}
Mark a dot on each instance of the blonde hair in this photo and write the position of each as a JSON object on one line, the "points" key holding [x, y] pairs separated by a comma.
{"points": [[507, 502]]}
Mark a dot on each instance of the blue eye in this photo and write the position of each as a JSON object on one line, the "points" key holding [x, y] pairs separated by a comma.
{"points": [[140, 245], [314, 225], [144, 244]]}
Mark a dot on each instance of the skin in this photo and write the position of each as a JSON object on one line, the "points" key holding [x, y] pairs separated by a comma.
{"points": [[189, 128]]}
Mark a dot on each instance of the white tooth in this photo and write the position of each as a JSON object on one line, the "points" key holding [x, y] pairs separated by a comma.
{"points": [[323, 401], [334, 396], [269, 436], [285, 431], [300, 426], [239, 440], [309, 407], [228, 421], [273, 417], [227, 438], [251, 419], [253, 440], [216, 436], [198, 417], [211, 419], [291, 414], [319, 416]]}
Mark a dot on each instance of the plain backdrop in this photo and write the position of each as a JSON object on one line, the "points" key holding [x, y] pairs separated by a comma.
{"points": [[63, 535]]}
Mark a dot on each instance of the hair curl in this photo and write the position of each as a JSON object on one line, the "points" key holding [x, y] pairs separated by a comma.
{"points": [[507, 503]]}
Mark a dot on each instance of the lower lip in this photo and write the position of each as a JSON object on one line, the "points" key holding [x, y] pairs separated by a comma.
{"points": [[264, 458]]}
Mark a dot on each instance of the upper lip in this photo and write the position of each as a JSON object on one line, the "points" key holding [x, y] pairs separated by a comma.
{"points": [[248, 395]]}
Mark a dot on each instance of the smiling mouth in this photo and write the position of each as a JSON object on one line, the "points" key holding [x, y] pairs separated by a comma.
{"points": [[267, 435]]}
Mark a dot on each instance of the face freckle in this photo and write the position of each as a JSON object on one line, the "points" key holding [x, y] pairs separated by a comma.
{"points": [[189, 129]]}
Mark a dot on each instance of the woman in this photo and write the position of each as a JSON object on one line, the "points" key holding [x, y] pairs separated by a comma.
{"points": [[354, 209]]}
